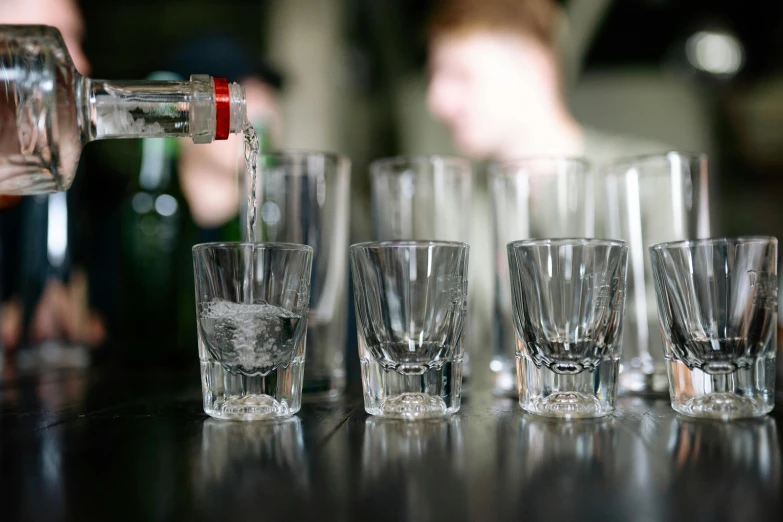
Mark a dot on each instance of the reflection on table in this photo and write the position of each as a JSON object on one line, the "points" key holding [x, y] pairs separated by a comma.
{"points": [[557, 470], [413, 470], [238, 460], [747, 451]]}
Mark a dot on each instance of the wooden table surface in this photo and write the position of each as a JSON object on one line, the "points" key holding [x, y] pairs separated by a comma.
{"points": [[108, 443]]}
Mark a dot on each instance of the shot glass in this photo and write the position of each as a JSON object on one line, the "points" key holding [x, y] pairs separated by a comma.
{"points": [[717, 308], [568, 302], [411, 300], [251, 306]]}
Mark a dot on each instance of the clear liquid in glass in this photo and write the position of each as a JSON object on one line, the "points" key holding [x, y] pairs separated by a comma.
{"points": [[248, 352]]}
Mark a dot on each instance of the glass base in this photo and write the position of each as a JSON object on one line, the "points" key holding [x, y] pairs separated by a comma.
{"points": [[466, 369], [567, 396], [413, 405], [504, 377], [235, 396], [433, 394], [745, 392], [324, 372], [251, 407], [633, 381]]}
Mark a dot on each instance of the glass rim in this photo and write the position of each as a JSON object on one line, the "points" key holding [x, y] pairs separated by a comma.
{"points": [[408, 243], [626, 162], [402, 159], [259, 245], [497, 167], [709, 241], [300, 154], [573, 241]]}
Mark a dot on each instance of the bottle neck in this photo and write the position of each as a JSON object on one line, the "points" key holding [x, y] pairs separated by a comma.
{"points": [[203, 109]]}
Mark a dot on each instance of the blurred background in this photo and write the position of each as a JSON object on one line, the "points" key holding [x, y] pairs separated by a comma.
{"points": [[352, 76], [357, 72]]}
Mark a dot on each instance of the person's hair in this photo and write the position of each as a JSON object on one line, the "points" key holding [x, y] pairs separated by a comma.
{"points": [[536, 19]]}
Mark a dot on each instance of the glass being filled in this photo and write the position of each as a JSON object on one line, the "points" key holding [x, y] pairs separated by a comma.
{"points": [[252, 302]]}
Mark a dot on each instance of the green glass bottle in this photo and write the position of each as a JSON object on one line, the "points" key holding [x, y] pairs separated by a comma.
{"points": [[153, 217]]}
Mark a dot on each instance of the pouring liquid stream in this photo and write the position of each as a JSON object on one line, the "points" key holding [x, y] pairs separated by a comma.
{"points": [[252, 148]]}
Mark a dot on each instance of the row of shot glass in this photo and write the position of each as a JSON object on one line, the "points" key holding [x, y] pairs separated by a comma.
{"points": [[717, 301]]}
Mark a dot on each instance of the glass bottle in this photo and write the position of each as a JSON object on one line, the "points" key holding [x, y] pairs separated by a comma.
{"points": [[48, 111]]}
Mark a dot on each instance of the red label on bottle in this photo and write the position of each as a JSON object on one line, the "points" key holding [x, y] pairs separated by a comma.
{"points": [[222, 109]]}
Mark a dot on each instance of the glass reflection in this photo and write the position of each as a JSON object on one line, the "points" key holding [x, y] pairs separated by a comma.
{"points": [[745, 454], [581, 443], [556, 470], [415, 468], [38, 468], [240, 459]]}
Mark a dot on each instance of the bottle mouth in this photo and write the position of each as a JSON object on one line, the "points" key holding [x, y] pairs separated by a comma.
{"points": [[230, 108], [238, 117]]}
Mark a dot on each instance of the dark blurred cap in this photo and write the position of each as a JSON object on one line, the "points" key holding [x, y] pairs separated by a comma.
{"points": [[224, 57]]}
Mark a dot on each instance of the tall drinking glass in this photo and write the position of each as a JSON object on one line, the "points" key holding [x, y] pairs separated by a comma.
{"points": [[569, 297], [547, 197], [652, 199], [303, 197], [410, 311], [425, 198], [421, 197], [717, 305]]}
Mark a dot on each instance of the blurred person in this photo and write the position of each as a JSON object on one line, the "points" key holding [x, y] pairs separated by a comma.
{"points": [[61, 310], [208, 176], [496, 82]]}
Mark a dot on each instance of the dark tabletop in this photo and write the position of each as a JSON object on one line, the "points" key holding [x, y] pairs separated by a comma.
{"points": [[111, 443]]}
